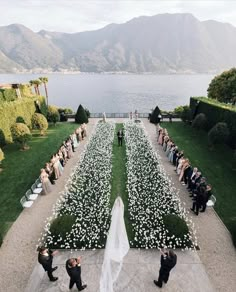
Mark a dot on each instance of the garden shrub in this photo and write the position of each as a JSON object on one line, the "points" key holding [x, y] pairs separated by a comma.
{"points": [[216, 112], [218, 134], [81, 116], [154, 115], [20, 134], [200, 122], [9, 111], [39, 122], [175, 226], [20, 120], [53, 115], [2, 138], [61, 225]]}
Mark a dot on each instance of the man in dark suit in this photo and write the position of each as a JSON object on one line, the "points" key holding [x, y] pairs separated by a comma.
{"points": [[45, 258], [168, 261], [120, 136], [73, 269]]}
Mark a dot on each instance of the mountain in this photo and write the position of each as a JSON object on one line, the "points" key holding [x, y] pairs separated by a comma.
{"points": [[165, 43]]}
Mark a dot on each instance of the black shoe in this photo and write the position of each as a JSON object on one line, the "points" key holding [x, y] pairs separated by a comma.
{"points": [[54, 269], [202, 210], [156, 283], [83, 287], [192, 209], [54, 279]]}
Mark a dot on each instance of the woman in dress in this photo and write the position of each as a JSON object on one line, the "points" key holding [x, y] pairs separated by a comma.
{"points": [[69, 148], [74, 139], [46, 184]]}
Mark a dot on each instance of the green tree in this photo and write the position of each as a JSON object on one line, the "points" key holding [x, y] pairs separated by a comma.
{"points": [[154, 115], [81, 116], [36, 83], [21, 134], [223, 87], [40, 122], [44, 80], [53, 114]]}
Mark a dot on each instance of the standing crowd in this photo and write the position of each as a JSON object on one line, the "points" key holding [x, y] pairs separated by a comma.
{"points": [[54, 168], [200, 191]]}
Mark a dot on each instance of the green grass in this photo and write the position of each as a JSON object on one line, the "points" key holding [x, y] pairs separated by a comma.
{"points": [[21, 168], [119, 179], [215, 165]]}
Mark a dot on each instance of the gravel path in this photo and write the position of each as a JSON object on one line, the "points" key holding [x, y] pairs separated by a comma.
{"points": [[18, 252], [216, 252]]}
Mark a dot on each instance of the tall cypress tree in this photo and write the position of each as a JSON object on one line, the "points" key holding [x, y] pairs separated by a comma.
{"points": [[154, 116], [81, 116]]}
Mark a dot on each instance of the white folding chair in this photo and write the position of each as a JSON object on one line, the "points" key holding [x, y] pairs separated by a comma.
{"points": [[30, 196], [25, 203], [36, 190], [211, 202]]}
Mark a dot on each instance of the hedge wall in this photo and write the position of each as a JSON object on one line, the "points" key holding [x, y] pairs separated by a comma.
{"points": [[7, 95], [24, 108], [215, 112]]}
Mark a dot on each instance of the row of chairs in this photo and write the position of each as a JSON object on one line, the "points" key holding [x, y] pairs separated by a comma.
{"points": [[31, 194]]}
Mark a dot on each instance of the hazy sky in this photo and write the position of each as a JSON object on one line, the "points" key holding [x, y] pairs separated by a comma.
{"points": [[81, 15]]}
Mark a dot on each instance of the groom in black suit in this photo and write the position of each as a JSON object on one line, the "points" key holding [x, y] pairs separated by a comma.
{"points": [[120, 136]]}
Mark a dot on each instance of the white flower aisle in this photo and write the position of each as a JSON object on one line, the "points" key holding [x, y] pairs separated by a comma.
{"points": [[81, 216], [151, 196]]}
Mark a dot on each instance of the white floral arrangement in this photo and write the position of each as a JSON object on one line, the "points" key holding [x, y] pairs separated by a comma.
{"points": [[151, 195], [86, 195]]}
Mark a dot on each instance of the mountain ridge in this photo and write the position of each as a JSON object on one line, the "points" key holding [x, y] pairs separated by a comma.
{"points": [[164, 43]]}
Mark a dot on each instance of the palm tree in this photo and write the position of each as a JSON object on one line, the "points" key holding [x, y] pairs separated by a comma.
{"points": [[44, 80], [38, 83], [32, 83]]}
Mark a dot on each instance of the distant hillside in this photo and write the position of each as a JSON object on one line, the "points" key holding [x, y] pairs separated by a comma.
{"points": [[165, 43]]}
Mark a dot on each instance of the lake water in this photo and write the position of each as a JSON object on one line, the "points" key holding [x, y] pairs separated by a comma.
{"points": [[118, 93]]}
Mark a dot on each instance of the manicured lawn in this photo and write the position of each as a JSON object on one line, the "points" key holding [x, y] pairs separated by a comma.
{"points": [[119, 178], [21, 168], [215, 165]]}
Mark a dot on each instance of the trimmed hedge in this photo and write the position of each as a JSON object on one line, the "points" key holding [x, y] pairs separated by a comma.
{"points": [[7, 95], [40, 122], [20, 134], [9, 111], [61, 226], [200, 122], [215, 112], [176, 227], [53, 115]]}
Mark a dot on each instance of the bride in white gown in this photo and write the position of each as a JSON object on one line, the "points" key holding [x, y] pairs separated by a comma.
{"points": [[117, 246]]}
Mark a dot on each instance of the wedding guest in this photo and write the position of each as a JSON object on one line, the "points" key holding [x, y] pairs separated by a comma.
{"points": [[46, 184], [73, 268], [168, 262], [120, 136], [45, 258]]}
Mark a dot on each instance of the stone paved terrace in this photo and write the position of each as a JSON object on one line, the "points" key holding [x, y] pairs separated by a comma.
{"points": [[139, 270]]}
